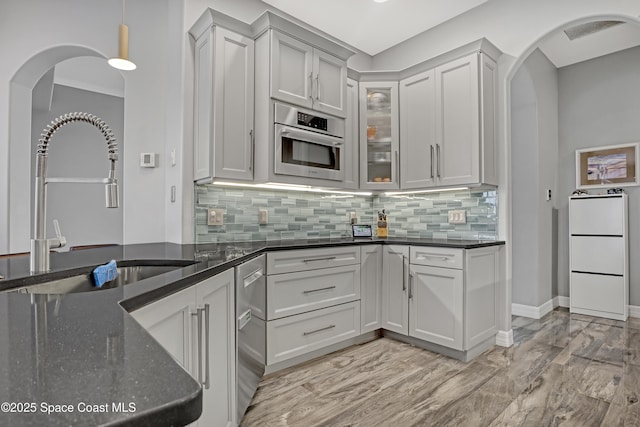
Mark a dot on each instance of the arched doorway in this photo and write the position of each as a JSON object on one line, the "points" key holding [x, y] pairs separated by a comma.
{"points": [[21, 138], [512, 188]]}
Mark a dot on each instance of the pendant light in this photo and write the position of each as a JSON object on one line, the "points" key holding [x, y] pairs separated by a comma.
{"points": [[121, 62]]}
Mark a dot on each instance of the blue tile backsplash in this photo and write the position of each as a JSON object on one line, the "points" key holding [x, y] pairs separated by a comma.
{"points": [[303, 215]]}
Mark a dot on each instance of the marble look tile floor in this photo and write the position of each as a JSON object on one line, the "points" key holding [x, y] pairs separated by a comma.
{"points": [[563, 370]]}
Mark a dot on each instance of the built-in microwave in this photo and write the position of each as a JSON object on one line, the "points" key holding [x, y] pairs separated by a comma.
{"points": [[308, 144]]}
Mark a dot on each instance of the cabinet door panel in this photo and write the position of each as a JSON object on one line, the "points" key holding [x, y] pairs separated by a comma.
{"points": [[352, 138], [330, 85], [218, 405], [291, 70], [371, 288], [168, 321], [203, 114], [458, 122], [394, 289], [417, 131], [233, 79], [436, 305]]}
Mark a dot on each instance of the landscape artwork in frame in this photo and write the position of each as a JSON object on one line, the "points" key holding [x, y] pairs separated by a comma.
{"points": [[607, 167]]}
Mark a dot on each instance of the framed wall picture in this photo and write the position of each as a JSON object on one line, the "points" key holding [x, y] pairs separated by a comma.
{"points": [[609, 166]]}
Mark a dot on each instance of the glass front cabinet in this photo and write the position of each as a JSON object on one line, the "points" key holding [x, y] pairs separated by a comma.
{"points": [[379, 137]]}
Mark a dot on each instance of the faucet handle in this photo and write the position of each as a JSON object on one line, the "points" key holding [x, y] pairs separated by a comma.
{"points": [[60, 241]]}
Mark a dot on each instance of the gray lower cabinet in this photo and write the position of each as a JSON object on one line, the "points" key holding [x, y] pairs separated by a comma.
{"points": [[395, 292], [449, 298], [436, 305], [370, 287], [313, 301], [176, 321]]}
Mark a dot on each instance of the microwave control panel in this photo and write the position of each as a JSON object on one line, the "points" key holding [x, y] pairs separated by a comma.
{"points": [[311, 121]]}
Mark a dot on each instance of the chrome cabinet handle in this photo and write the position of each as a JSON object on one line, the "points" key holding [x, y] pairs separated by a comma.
{"points": [[319, 330], [319, 259], [410, 286], [397, 169], [198, 316], [318, 290], [317, 87], [438, 155], [311, 86], [431, 147], [253, 145], [206, 382], [444, 257], [404, 275]]}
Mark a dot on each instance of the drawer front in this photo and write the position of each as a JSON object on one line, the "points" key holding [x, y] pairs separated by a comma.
{"points": [[296, 335], [311, 259], [598, 292], [596, 216], [437, 257], [595, 254], [295, 293]]}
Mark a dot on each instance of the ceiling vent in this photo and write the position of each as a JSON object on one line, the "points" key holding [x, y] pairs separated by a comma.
{"points": [[590, 28]]}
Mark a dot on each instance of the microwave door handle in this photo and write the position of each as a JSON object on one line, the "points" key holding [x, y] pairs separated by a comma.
{"points": [[311, 137]]}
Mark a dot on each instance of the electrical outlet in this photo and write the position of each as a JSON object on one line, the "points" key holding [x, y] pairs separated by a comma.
{"points": [[263, 217], [353, 219], [215, 216], [548, 194], [457, 217]]}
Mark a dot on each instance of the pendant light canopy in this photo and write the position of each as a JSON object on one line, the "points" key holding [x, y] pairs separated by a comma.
{"points": [[122, 62]]}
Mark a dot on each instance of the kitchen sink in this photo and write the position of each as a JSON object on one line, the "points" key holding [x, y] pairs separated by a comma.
{"points": [[128, 272]]}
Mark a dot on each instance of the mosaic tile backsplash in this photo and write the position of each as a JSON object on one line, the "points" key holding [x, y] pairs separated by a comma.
{"points": [[302, 215]]}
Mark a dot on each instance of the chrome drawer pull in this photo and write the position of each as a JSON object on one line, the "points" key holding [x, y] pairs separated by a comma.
{"points": [[445, 257], [319, 330], [319, 259], [318, 290], [253, 277]]}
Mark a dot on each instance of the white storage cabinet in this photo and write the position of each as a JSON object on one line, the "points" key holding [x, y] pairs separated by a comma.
{"points": [[447, 124], [599, 255], [223, 99], [176, 321], [313, 300], [304, 75]]}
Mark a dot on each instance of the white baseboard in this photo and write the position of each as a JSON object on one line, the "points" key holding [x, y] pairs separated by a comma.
{"points": [[532, 311], [634, 311], [561, 301], [504, 338]]}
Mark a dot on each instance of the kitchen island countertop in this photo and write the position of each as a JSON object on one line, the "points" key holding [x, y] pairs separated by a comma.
{"points": [[81, 359]]}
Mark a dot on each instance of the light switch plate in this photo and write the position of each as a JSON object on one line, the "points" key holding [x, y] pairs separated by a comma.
{"points": [[263, 216], [457, 217], [215, 216]]}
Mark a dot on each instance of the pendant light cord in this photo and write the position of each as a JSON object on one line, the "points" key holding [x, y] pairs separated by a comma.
{"points": [[123, 12]]}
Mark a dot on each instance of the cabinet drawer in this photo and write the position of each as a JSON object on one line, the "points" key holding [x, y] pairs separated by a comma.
{"points": [[437, 257], [595, 254], [295, 293], [597, 215], [296, 335], [598, 292], [311, 259]]}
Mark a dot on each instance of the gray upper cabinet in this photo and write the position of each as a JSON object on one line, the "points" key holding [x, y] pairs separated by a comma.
{"points": [[223, 101], [447, 124], [418, 131], [352, 137], [306, 76], [379, 138]]}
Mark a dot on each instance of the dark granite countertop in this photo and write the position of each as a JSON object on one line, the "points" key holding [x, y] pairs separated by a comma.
{"points": [[85, 351]]}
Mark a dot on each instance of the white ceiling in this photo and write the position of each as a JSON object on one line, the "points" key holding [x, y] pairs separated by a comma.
{"points": [[373, 27], [562, 51]]}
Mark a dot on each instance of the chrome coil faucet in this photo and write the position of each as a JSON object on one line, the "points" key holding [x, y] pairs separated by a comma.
{"points": [[40, 245]]}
